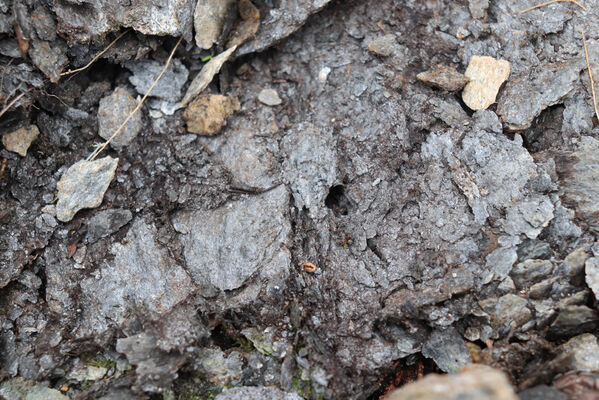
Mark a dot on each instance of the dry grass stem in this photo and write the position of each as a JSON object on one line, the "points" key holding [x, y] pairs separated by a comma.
{"points": [[100, 54], [12, 103], [551, 2], [586, 56], [120, 128]]}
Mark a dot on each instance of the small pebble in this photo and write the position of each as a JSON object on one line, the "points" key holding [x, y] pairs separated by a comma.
{"points": [[20, 140], [383, 45], [486, 76], [443, 77], [270, 97]]}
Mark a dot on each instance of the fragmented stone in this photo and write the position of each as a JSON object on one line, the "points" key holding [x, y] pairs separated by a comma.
{"points": [[49, 57], [19, 141], [90, 20], [270, 97], [478, 8], [112, 112], [573, 320], [207, 114], [472, 382], [443, 77], [583, 354], [383, 45], [531, 271], [24, 389], [83, 186], [208, 18], [106, 222], [248, 26], [507, 313], [486, 75], [591, 270], [448, 349], [168, 87], [534, 90], [142, 274], [263, 393], [542, 392], [250, 233], [218, 367]]}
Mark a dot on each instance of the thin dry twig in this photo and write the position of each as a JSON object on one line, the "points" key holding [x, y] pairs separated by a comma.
{"points": [[120, 128], [100, 54], [551, 2], [12, 103], [586, 56]]}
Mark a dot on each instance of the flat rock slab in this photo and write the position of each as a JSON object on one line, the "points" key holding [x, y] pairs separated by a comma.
{"points": [[83, 186], [473, 382], [226, 246], [113, 111], [19, 141], [486, 76], [106, 222], [168, 87]]}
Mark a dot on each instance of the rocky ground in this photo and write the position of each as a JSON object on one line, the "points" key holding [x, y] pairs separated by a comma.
{"points": [[318, 199]]}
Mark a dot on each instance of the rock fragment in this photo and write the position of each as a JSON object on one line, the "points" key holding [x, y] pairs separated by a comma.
{"points": [[50, 58], [506, 313], [168, 87], [24, 389], [106, 222], [270, 97], [208, 19], [443, 77], [591, 270], [478, 8], [534, 90], [448, 349], [486, 75], [207, 114], [83, 186], [473, 382], [583, 353], [265, 393], [19, 141], [112, 112], [573, 320], [383, 45], [248, 26]]}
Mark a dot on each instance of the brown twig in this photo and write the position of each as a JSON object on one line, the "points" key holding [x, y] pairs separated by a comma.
{"points": [[100, 54], [120, 128], [586, 56], [12, 103], [551, 2]]}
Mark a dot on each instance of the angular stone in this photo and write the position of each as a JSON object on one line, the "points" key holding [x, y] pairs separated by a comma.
{"points": [[208, 18], [383, 45], [443, 77], [248, 26], [249, 231], [270, 97], [531, 271], [83, 186], [448, 349], [542, 392], [472, 382], [262, 393], [486, 75], [168, 87], [50, 58], [23, 389], [534, 90], [112, 112], [583, 351], [19, 141], [591, 271], [507, 313], [218, 367], [207, 114], [106, 222], [573, 320]]}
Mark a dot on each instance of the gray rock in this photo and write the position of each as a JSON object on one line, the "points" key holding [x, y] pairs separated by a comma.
{"points": [[83, 186], [542, 392], [250, 233], [263, 393], [218, 367], [573, 266], [444, 77], [270, 97], [525, 96], [113, 111], [472, 382], [58, 129], [142, 274], [583, 353], [23, 389], [573, 320], [535, 249], [49, 57], [208, 18], [591, 270], [506, 313], [106, 222], [448, 350], [90, 20], [170, 85], [531, 271], [383, 45], [478, 8]]}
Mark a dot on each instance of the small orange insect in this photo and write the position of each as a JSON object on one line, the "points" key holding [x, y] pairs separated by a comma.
{"points": [[309, 267]]}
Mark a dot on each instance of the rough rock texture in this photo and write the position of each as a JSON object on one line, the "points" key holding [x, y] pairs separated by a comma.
{"points": [[169, 87], [383, 45], [19, 141], [83, 186], [112, 112], [208, 19], [242, 393], [444, 77], [472, 382], [106, 222], [485, 77], [270, 97], [22, 389], [207, 114]]}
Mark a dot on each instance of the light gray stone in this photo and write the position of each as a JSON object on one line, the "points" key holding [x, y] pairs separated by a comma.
{"points": [[83, 186], [208, 19], [106, 222], [263, 393], [170, 85], [113, 111], [448, 349], [270, 97]]}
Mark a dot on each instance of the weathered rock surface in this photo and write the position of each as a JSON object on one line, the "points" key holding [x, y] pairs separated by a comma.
{"points": [[270, 97], [170, 85], [83, 186], [448, 349], [474, 381], [485, 77], [23, 389], [208, 19], [113, 111], [106, 222], [383, 45], [19, 141], [444, 77], [242, 393], [208, 114]]}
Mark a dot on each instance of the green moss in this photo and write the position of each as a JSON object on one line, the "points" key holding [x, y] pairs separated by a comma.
{"points": [[198, 389]]}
